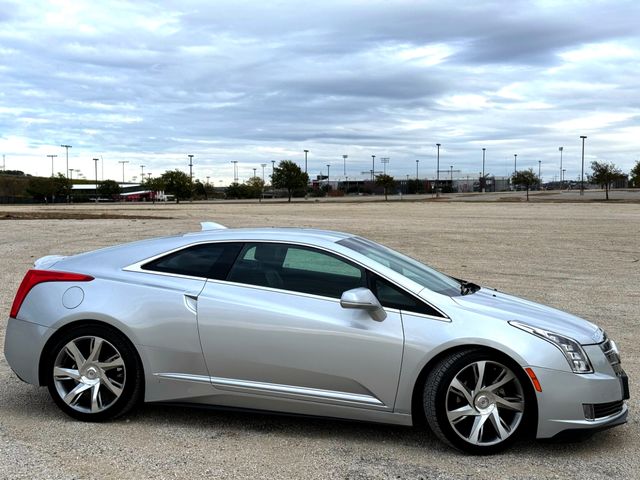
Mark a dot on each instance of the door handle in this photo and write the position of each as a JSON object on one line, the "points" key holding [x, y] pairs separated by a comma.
{"points": [[191, 302]]}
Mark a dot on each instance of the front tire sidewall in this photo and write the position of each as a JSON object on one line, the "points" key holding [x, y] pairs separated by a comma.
{"points": [[133, 386]]}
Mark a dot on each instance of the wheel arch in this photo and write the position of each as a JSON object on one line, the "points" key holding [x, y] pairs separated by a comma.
{"points": [[417, 409]]}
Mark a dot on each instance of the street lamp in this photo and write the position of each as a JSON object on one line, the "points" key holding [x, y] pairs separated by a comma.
{"points": [[344, 164], [417, 163], [263, 165], [67, 147], [328, 167], [384, 161], [515, 163], [438, 171], [235, 171], [95, 160], [373, 166], [305, 160], [254, 171], [122, 162], [539, 174], [583, 137], [561, 176], [190, 168], [482, 184], [52, 157], [142, 172]]}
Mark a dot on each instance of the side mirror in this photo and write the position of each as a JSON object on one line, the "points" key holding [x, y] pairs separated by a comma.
{"points": [[364, 299]]}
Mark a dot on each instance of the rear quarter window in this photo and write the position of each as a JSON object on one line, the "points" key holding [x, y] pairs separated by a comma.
{"points": [[207, 260]]}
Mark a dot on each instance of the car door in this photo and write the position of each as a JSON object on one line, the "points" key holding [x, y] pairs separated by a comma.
{"points": [[275, 328]]}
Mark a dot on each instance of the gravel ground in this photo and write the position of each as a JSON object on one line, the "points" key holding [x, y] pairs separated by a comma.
{"points": [[583, 258]]}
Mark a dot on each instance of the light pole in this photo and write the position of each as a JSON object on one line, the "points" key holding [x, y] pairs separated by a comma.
{"points": [[328, 169], [67, 147], [235, 171], [273, 168], [563, 171], [482, 180], [70, 174], [515, 163], [123, 163], [373, 167], [438, 171], [560, 149], [583, 137], [254, 171], [95, 162], [384, 161], [190, 168], [417, 163], [539, 174], [142, 172], [52, 157], [305, 160], [263, 165], [344, 163], [451, 169]]}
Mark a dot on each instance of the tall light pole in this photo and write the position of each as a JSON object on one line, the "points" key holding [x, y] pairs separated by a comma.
{"points": [[373, 167], [328, 169], [52, 157], [560, 149], [123, 163], [273, 169], [254, 171], [190, 167], [95, 162], [263, 165], [235, 171], [482, 180], [3, 164], [539, 174], [515, 163], [344, 164], [583, 137], [451, 168], [384, 162], [438, 171], [67, 147], [142, 172], [417, 163], [305, 160]]}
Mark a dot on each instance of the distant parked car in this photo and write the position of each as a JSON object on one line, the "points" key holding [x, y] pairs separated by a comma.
{"points": [[310, 322]]}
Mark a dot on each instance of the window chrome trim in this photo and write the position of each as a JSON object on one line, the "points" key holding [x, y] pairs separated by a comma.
{"points": [[137, 267], [265, 388]]}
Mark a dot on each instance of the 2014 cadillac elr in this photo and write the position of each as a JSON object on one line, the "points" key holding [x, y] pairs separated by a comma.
{"points": [[309, 322]]}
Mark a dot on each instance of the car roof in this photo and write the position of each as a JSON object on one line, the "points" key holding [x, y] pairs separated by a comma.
{"points": [[271, 233]]}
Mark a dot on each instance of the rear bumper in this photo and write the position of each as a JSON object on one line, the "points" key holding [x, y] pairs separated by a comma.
{"points": [[23, 344]]}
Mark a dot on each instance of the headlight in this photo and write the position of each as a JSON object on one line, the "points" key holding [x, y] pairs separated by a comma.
{"points": [[572, 351]]}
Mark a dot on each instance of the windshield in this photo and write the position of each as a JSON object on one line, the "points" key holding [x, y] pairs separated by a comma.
{"points": [[407, 266]]}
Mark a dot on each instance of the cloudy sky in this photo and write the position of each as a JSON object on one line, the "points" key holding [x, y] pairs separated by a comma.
{"points": [[256, 81]]}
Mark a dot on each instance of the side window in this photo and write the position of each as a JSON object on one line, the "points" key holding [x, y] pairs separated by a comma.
{"points": [[295, 268], [393, 297], [209, 260]]}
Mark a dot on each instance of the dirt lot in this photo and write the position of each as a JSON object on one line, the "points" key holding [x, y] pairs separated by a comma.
{"points": [[584, 258]]}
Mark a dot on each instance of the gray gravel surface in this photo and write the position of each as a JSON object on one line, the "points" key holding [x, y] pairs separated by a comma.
{"points": [[584, 258]]}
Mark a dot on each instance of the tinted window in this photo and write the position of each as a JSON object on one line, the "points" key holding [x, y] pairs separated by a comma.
{"points": [[295, 268], [393, 297], [209, 260]]}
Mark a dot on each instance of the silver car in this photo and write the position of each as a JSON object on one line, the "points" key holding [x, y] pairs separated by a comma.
{"points": [[308, 322]]}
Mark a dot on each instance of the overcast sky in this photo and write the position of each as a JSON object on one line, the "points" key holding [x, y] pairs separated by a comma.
{"points": [[264, 80]]}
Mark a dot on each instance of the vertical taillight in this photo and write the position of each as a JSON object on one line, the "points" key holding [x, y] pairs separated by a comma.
{"points": [[34, 277]]}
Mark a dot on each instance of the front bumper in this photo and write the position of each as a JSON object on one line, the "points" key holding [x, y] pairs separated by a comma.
{"points": [[568, 400], [23, 343]]}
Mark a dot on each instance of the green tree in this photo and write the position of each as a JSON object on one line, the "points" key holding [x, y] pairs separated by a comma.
{"points": [[634, 175], [387, 182], [525, 178], [109, 189], [237, 190], [61, 186], [41, 188], [604, 174], [255, 185], [177, 183], [289, 175], [154, 185]]}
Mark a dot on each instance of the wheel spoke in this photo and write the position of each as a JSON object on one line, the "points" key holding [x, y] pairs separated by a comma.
{"points": [[479, 370], [96, 346], [461, 413], [73, 396], [459, 387], [95, 398], [66, 373], [476, 429], [73, 352], [502, 380], [511, 404], [112, 385], [501, 428], [112, 363]]}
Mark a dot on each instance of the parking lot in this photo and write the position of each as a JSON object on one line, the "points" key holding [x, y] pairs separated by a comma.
{"points": [[579, 257]]}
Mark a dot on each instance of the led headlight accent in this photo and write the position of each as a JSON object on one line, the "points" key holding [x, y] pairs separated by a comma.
{"points": [[572, 351]]}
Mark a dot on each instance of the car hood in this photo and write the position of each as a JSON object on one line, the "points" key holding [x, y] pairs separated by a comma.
{"points": [[507, 307]]}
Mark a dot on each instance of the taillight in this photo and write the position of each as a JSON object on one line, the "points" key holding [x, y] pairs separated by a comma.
{"points": [[34, 277]]}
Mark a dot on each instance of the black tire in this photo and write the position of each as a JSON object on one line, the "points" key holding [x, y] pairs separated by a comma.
{"points": [[101, 388], [487, 418]]}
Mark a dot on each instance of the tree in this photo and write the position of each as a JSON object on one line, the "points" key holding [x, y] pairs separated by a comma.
{"points": [[237, 190], [289, 175], [109, 189], [41, 188], [387, 182], [177, 183], [634, 175], [154, 185], [525, 178], [604, 174], [61, 186], [255, 187]]}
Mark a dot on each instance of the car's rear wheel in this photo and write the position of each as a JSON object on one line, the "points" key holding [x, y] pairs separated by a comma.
{"points": [[476, 402], [94, 374]]}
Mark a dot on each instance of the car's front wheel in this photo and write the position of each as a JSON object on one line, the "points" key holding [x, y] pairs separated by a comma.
{"points": [[475, 401], [94, 374]]}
